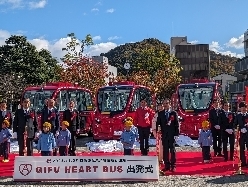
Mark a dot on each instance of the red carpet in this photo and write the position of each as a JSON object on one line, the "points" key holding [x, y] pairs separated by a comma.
{"points": [[188, 163]]}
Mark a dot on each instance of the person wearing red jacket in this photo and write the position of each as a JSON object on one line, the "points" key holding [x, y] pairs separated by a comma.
{"points": [[143, 121]]}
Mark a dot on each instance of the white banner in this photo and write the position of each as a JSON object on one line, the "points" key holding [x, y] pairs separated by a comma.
{"points": [[86, 168]]}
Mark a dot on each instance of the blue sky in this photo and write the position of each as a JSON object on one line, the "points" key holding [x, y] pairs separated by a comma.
{"points": [[46, 23]]}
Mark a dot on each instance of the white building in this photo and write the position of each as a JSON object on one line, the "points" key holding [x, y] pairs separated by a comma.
{"points": [[111, 69], [225, 80]]}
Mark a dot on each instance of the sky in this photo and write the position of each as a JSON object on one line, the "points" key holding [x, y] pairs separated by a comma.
{"points": [[46, 23]]}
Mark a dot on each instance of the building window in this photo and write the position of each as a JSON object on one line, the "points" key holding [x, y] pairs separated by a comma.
{"points": [[189, 55], [197, 54], [246, 44]]}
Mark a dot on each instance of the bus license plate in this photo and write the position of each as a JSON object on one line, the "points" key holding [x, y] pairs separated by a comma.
{"points": [[117, 133]]}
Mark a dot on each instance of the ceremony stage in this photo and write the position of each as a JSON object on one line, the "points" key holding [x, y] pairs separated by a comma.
{"points": [[188, 163]]}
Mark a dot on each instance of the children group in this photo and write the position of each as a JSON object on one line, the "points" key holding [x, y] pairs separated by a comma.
{"points": [[47, 142]]}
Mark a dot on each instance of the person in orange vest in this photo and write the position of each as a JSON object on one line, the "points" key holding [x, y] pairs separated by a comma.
{"points": [[143, 121]]}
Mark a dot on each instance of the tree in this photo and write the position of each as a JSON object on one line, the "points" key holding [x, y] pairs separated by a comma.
{"points": [[157, 70], [20, 57], [80, 68], [11, 87]]}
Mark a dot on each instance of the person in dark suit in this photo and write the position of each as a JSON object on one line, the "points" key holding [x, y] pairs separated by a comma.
{"points": [[168, 122], [50, 114], [25, 121], [227, 128], [4, 115], [215, 127], [241, 121], [71, 115], [45, 103]]}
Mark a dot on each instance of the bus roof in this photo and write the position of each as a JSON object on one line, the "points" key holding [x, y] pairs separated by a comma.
{"points": [[56, 86], [119, 86], [199, 84]]}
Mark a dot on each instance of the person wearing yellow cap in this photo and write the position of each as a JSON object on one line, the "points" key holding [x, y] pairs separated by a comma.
{"points": [[5, 136], [46, 143], [63, 139], [128, 138], [133, 128], [205, 140]]}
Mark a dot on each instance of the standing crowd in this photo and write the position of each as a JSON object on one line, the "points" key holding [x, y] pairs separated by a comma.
{"points": [[224, 123], [54, 138], [218, 131]]}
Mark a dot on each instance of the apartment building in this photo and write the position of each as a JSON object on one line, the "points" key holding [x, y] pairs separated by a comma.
{"points": [[194, 58]]}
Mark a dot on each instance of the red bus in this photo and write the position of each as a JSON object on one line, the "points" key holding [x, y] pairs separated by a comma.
{"points": [[62, 93], [193, 101], [114, 103]]}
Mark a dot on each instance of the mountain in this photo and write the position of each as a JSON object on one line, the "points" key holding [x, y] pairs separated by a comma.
{"points": [[221, 64], [128, 52]]}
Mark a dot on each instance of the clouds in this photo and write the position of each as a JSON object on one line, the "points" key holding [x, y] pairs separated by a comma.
{"points": [[37, 4], [236, 43], [98, 5], [111, 10], [113, 38], [15, 4], [56, 46], [225, 49], [194, 42], [96, 38], [94, 10], [102, 47]]}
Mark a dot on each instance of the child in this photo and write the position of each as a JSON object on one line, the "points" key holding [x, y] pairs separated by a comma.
{"points": [[5, 136], [133, 128], [46, 142], [205, 140], [63, 139], [128, 138]]}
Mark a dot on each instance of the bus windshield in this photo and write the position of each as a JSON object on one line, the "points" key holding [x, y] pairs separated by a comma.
{"points": [[194, 98], [37, 98], [113, 100]]}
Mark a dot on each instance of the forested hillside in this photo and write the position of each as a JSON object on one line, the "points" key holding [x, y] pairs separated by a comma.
{"points": [[131, 51]]}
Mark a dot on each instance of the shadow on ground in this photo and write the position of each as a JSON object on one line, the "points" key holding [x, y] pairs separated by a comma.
{"points": [[228, 179]]}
